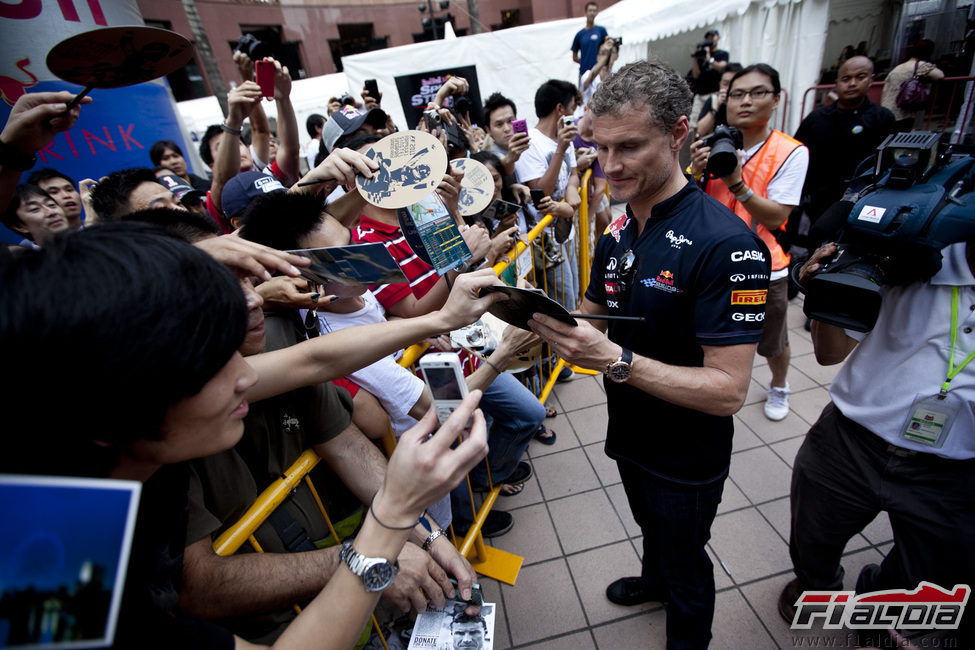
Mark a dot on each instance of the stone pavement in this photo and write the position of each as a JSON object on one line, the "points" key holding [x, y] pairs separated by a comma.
{"points": [[574, 529]]}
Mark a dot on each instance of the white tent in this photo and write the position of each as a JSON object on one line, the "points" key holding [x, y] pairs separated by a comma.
{"points": [[789, 35], [512, 61]]}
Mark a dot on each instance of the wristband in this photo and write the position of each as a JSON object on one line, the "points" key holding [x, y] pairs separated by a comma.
{"points": [[747, 195], [734, 189], [386, 526], [229, 129], [13, 158], [432, 538], [485, 360]]}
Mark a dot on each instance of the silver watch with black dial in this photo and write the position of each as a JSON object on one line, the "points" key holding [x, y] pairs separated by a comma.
{"points": [[376, 573], [619, 370]]}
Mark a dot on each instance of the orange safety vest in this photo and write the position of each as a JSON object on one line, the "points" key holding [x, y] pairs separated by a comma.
{"points": [[757, 173]]}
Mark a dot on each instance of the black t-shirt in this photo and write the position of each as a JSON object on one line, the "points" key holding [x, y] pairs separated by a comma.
{"points": [[710, 79], [701, 278], [838, 140]]}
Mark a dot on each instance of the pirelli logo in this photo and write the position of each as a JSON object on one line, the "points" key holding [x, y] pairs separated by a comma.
{"points": [[754, 297]]}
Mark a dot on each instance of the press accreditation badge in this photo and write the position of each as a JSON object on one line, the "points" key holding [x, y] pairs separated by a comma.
{"points": [[930, 418]]}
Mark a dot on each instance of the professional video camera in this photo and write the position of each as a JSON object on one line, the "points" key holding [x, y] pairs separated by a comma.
{"points": [[255, 49], [725, 141], [918, 199]]}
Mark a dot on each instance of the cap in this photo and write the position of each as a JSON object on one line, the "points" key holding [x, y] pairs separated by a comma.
{"points": [[347, 121], [243, 188], [180, 188]]}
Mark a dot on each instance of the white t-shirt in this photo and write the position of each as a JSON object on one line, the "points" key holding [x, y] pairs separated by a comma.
{"points": [[906, 354], [533, 163], [786, 186], [396, 388]]}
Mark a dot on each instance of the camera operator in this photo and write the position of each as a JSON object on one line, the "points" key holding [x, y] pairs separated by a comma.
{"points": [[708, 62], [762, 189], [863, 456], [715, 111]]}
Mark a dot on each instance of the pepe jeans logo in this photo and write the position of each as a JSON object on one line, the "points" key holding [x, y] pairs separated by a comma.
{"points": [[677, 240]]}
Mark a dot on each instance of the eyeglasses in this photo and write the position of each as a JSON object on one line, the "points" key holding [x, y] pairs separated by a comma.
{"points": [[754, 93], [627, 269]]}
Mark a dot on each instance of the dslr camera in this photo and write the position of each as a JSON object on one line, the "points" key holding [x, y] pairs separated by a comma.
{"points": [[252, 47], [725, 142], [347, 100], [918, 199]]}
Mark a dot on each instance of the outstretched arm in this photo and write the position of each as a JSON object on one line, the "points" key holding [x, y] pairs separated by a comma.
{"points": [[337, 354]]}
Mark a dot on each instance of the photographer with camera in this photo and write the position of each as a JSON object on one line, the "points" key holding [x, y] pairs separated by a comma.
{"points": [[585, 45], [708, 62], [761, 185], [870, 451]]}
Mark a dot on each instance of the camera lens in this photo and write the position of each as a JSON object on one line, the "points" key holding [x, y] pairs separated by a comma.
{"points": [[723, 158]]}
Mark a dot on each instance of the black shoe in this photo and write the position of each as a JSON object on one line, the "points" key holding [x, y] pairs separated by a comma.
{"points": [[522, 473], [632, 591], [496, 524], [787, 600]]}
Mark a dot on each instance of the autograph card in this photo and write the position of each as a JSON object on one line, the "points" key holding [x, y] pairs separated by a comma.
{"points": [[476, 188], [411, 165]]}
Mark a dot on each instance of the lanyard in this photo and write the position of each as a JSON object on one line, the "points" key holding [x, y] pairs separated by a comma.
{"points": [[952, 370]]}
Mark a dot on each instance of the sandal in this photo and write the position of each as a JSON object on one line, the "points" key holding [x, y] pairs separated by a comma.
{"points": [[511, 489], [544, 435], [550, 412]]}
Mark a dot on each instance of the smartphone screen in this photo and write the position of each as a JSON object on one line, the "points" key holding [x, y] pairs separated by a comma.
{"points": [[264, 74], [443, 383]]}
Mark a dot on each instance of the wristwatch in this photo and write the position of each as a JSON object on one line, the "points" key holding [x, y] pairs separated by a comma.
{"points": [[376, 573], [619, 370]]}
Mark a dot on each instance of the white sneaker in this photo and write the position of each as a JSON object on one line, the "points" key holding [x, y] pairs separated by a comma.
{"points": [[777, 402]]}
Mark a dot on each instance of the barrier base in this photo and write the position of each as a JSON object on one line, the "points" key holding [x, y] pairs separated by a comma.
{"points": [[583, 371], [497, 564]]}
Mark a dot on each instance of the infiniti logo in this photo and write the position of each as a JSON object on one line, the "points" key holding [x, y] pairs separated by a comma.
{"points": [[737, 277]]}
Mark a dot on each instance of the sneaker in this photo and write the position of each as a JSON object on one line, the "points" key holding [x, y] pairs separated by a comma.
{"points": [[777, 402], [565, 375], [632, 591], [787, 600], [497, 523]]}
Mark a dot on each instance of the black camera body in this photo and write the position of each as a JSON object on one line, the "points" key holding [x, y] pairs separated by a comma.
{"points": [[701, 51], [462, 105], [347, 100], [725, 141], [255, 49], [913, 204], [618, 40]]}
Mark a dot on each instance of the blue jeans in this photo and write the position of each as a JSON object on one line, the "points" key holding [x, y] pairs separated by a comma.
{"points": [[676, 523], [562, 281], [513, 413]]}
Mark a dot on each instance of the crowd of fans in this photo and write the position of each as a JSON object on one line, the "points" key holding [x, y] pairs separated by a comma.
{"points": [[193, 356]]}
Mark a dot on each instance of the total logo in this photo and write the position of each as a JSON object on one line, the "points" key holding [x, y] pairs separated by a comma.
{"points": [[748, 318], [744, 256]]}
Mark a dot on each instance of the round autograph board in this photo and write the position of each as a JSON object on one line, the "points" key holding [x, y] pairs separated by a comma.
{"points": [[411, 165], [476, 188], [113, 57]]}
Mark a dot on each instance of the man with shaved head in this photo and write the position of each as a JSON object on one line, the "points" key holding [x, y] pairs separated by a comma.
{"points": [[841, 135]]}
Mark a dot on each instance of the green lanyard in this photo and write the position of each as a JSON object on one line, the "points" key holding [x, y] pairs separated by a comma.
{"points": [[952, 370]]}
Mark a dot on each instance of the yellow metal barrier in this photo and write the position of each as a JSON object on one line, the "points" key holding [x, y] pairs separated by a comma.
{"points": [[230, 541]]}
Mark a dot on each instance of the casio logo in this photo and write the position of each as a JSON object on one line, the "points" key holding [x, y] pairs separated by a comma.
{"points": [[741, 256], [748, 318]]}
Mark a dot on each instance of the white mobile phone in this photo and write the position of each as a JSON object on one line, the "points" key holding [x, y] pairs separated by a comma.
{"points": [[445, 378]]}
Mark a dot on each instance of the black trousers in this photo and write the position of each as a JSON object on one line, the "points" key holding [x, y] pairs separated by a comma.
{"points": [[844, 475]]}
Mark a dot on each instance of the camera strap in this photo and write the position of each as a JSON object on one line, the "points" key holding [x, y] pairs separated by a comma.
{"points": [[952, 370], [931, 416]]}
